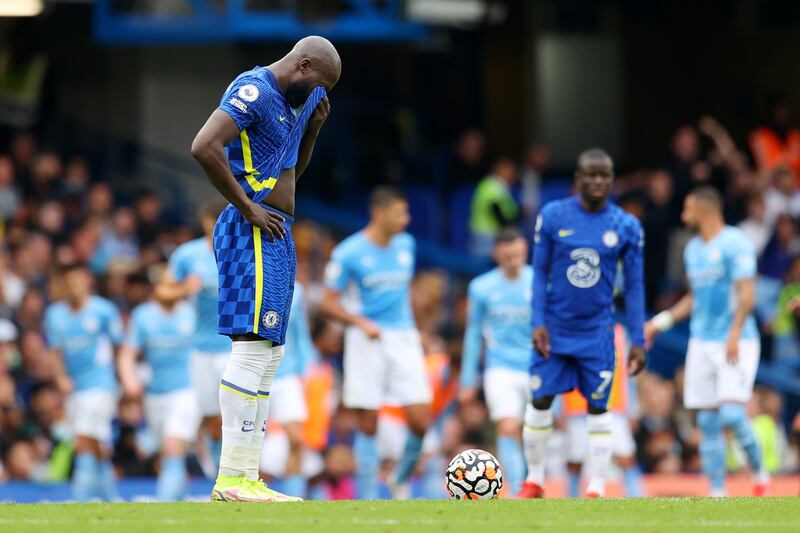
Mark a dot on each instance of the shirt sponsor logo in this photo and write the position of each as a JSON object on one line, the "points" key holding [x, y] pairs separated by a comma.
{"points": [[585, 272], [238, 104]]}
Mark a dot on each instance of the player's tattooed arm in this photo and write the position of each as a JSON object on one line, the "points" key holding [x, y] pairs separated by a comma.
{"points": [[310, 136], [208, 148], [745, 293], [665, 319]]}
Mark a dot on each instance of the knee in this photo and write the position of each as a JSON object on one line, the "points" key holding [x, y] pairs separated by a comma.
{"points": [[542, 404], [538, 418], [708, 422], [508, 427], [731, 414], [592, 410]]}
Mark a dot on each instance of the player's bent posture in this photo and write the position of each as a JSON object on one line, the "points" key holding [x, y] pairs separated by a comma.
{"points": [[84, 329], [288, 406], [500, 318], [724, 346], [193, 270], [384, 362], [253, 148], [162, 330], [579, 242]]}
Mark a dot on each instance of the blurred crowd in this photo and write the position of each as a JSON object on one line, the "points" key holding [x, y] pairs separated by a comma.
{"points": [[54, 212]]}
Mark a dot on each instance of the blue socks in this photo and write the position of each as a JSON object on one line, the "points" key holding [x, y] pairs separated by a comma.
{"points": [[365, 448], [632, 480], [214, 452], [712, 450], [734, 416], [85, 478], [108, 482], [411, 453], [171, 485], [573, 484], [509, 450], [295, 486]]}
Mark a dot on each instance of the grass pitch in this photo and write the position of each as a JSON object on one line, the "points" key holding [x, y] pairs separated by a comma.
{"points": [[662, 514]]}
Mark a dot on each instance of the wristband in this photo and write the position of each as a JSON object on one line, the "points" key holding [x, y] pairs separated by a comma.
{"points": [[663, 321]]}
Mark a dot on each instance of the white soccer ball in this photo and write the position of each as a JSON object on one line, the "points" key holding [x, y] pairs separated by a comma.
{"points": [[474, 475]]}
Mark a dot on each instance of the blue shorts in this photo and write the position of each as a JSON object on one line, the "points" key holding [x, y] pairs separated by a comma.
{"points": [[585, 363], [256, 277]]}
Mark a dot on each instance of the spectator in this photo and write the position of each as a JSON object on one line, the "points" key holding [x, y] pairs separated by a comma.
{"points": [[781, 198], [148, 217], [10, 200], [777, 143], [119, 243], [686, 165], [467, 164], [493, 207], [659, 221], [534, 169], [755, 226]]}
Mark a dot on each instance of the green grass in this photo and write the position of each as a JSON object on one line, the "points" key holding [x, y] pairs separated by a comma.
{"points": [[662, 514]]}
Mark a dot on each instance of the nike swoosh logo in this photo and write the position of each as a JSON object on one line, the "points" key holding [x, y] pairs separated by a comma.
{"points": [[282, 118], [565, 232]]}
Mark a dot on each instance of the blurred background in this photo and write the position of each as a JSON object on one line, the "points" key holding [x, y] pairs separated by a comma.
{"points": [[99, 102]]}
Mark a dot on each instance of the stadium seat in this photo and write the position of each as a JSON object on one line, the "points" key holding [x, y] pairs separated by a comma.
{"points": [[423, 202], [458, 217]]}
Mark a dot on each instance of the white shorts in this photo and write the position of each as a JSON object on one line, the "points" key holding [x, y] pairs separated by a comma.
{"points": [[622, 445], [507, 393], [206, 371], [172, 415], [287, 400], [386, 371], [709, 378], [90, 413]]}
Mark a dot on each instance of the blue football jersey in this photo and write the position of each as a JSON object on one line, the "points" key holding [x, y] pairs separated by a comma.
{"points": [[86, 339], [713, 268], [196, 258], [382, 277], [165, 338], [300, 351], [500, 316], [576, 254], [270, 130]]}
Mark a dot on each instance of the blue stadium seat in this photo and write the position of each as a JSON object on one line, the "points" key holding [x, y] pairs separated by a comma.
{"points": [[554, 190], [423, 203], [458, 217]]}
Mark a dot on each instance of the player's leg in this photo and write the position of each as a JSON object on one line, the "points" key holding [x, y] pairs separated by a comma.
{"points": [[700, 393], [735, 385], [288, 407], [408, 386], [549, 377], [86, 472], [576, 434], [624, 455], [595, 378], [262, 412], [206, 371], [507, 396], [363, 391], [178, 420], [91, 413]]}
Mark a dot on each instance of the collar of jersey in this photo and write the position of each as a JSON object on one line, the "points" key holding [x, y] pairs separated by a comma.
{"points": [[273, 81]]}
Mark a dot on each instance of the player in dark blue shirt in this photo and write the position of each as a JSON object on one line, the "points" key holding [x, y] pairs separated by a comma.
{"points": [[579, 243], [253, 148]]}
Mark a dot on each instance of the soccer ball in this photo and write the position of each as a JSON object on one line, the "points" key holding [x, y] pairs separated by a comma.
{"points": [[474, 475]]}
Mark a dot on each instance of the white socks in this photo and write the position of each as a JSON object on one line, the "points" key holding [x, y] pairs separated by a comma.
{"points": [[238, 391], [536, 431], [600, 448]]}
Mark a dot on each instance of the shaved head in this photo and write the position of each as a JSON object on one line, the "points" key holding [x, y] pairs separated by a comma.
{"points": [[313, 61], [594, 156]]}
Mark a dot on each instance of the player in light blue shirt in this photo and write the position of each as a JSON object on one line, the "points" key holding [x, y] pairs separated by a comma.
{"points": [[194, 269], [287, 398], [84, 329], [162, 331], [383, 360], [499, 321], [724, 346]]}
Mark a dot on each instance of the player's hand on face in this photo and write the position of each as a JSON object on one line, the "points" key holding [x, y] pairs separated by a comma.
{"points": [[650, 334], [637, 360], [267, 220], [541, 341], [370, 329], [321, 113]]}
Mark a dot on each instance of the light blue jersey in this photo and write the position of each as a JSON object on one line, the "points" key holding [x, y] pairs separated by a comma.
{"points": [[500, 315], [300, 350], [196, 258], [86, 339], [165, 338], [382, 276], [713, 268]]}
